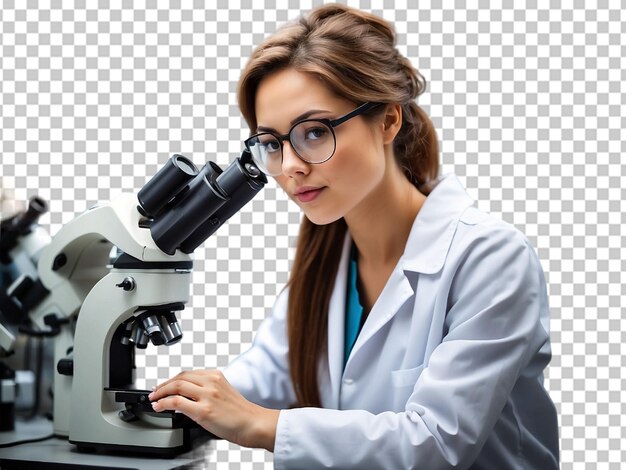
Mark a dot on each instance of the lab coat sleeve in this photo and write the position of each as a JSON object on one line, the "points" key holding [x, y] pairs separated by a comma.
{"points": [[261, 374], [492, 329]]}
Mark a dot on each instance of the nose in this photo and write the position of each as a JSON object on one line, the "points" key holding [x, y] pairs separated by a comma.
{"points": [[292, 163]]}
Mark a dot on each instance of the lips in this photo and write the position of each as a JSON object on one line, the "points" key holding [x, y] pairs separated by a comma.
{"points": [[308, 193]]}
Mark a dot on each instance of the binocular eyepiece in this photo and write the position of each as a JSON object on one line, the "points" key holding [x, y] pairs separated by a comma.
{"points": [[188, 205]]}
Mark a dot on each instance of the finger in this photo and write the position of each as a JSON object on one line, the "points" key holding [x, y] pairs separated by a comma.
{"points": [[176, 377], [193, 376], [177, 387], [177, 403]]}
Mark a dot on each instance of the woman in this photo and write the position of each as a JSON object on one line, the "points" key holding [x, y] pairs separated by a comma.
{"points": [[413, 331]]}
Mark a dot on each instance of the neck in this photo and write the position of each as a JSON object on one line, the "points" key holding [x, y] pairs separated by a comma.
{"points": [[381, 223]]}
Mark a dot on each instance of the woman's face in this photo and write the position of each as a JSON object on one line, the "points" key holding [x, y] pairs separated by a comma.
{"points": [[340, 184]]}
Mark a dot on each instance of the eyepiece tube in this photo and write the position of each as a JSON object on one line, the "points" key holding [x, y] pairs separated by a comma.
{"points": [[165, 185], [36, 208], [19, 225], [241, 172], [201, 200], [241, 181]]}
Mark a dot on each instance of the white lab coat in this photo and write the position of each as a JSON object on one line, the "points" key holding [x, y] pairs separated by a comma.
{"points": [[447, 371]]}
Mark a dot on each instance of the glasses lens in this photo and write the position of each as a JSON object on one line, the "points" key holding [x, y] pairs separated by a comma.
{"points": [[313, 140], [266, 153]]}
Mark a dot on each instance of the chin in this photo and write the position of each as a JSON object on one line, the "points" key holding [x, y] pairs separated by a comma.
{"points": [[322, 219]]}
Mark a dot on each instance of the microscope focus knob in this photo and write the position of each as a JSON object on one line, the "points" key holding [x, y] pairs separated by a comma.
{"points": [[65, 366], [128, 284]]}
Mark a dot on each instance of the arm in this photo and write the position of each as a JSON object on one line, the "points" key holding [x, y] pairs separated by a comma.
{"points": [[212, 402], [493, 330]]}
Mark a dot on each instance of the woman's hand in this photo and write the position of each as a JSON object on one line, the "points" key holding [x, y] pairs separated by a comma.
{"points": [[207, 398]]}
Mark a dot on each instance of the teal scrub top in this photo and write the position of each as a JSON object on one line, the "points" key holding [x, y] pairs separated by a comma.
{"points": [[354, 309]]}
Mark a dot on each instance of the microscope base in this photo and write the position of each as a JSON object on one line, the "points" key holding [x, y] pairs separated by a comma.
{"points": [[193, 435], [168, 452]]}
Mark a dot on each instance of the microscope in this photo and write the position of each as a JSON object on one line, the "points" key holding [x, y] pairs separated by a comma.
{"points": [[112, 280], [21, 242], [7, 382]]}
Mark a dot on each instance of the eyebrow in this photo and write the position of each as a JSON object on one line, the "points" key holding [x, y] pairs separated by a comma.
{"points": [[295, 120]]}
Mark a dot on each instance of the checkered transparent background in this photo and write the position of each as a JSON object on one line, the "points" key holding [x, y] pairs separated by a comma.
{"points": [[528, 103]]}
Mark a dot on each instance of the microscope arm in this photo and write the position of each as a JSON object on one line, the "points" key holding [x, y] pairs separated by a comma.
{"points": [[79, 254]]}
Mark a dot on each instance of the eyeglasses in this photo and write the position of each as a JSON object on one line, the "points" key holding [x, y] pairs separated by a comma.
{"points": [[313, 140]]}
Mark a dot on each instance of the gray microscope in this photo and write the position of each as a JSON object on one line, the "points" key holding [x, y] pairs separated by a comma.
{"points": [[101, 307]]}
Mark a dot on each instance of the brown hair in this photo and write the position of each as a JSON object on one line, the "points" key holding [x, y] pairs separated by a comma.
{"points": [[355, 54]]}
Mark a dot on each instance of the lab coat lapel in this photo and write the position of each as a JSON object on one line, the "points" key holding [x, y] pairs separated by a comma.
{"points": [[395, 293], [336, 321]]}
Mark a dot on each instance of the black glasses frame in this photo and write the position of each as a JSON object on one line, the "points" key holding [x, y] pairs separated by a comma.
{"points": [[330, 123]]}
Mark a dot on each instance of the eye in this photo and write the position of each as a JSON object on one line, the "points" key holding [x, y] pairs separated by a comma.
{"points": [[272, 146], [269, 144], [316, 133]]}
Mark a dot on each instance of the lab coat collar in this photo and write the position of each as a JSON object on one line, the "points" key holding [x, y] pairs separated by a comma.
{"points": [[434, 226]]}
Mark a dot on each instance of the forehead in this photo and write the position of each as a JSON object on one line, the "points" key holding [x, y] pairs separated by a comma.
{"points": [[286, 94]]}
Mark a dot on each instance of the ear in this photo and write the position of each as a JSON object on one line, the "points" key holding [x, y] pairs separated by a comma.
{"points": [[392, 122]]}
